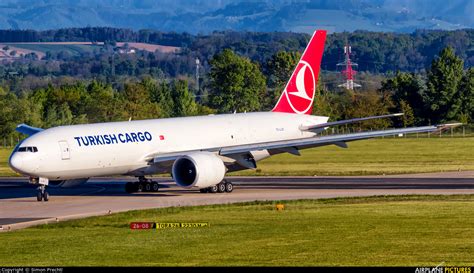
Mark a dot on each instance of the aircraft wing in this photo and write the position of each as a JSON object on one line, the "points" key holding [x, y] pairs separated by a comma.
{"points": [[347, 121], [27, 130], [293, 146], [339, 140]]}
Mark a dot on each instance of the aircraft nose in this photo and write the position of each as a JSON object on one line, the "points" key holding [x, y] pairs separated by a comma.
{"points": [[16, 162]]}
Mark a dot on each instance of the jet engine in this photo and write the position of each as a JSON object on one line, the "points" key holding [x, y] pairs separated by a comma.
{"points": [[201, 170]]}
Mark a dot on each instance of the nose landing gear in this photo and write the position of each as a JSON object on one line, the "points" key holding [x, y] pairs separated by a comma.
{"points": [[42, 194]]}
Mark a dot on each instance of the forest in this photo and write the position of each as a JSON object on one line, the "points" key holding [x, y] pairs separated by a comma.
{"points": [[428, 75]]}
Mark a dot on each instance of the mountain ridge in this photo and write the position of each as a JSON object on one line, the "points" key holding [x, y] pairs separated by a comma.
{"points": [[206, 16]]}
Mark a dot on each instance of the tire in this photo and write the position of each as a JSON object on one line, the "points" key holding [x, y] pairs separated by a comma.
{"points": [[213, 189], [203, 190], [154, 186], [46, 196], [140, 187], [221, 187], [39, 196], [229, 187], [147, 186], [129, 187]]}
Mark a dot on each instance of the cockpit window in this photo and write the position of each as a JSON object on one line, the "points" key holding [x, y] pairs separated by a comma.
{"points": [[30, 149]]}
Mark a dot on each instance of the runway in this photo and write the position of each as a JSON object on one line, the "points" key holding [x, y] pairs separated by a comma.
{"points": [[101, 196]]}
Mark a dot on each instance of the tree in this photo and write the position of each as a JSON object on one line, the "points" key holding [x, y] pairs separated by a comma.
{"points": [[406, 90], [371, 103], [137, 103], [280, 67], [237, 84], [101, 104], [408, 118], [184, 104], [278, 71], [466, 90], [7, 112], [162, 95], [442, 98]]}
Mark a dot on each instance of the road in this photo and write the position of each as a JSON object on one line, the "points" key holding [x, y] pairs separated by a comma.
{"points": [[101, 196]]}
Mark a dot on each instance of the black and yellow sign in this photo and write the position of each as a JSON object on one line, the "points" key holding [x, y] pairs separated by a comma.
{"points": [[151, 225], [181, 225]]}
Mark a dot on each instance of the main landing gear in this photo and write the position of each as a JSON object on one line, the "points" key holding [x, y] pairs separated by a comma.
{"points": [[224, 186], [42, 194], [143, 185]]}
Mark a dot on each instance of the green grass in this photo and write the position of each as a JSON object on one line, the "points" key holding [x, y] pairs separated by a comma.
{"points": [[368, 157], [375, 157], [4, 168], [390, 231], [74, 50]]}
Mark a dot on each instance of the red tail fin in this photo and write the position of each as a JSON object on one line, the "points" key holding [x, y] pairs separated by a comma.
{"points": [[299, 92]]}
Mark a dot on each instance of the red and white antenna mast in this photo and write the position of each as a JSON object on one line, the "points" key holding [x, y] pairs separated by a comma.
{"points": [[348, 72]]}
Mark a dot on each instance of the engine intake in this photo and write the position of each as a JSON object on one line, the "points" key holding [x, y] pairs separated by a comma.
{"points": [[202, 170]]}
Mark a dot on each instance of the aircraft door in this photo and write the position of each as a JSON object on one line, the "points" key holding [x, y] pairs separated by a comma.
{"points": [[65, 153]]}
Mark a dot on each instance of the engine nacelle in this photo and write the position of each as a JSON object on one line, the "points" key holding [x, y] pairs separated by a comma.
{"points": [[201, 169]]}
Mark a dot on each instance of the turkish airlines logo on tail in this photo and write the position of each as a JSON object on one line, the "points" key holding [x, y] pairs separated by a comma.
{"points": [[298, 95], [300, 89]]}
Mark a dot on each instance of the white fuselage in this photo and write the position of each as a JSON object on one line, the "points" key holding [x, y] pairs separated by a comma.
{"points": [[125, 148]]}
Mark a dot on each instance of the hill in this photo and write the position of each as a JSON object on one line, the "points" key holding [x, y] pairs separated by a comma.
{"points": [[206, 16]]}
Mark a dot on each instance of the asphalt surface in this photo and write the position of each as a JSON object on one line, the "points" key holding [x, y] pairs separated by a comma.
{"points": [[101, 196]]}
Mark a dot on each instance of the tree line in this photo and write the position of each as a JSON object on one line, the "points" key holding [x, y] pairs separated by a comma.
{"points": [[376, 52], [236, 83]]}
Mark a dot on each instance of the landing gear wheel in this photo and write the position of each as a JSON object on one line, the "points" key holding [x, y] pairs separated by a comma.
{"points": [[213, 189], [205, 190], [221, 187], [42, 194], [39, 196], [154, 186], [143, 185], [45, 196], [229, 187]]}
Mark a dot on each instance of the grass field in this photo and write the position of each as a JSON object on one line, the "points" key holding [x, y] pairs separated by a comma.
{"points": [[376, 156], [4, 168], [404, 230], [73, 49]]}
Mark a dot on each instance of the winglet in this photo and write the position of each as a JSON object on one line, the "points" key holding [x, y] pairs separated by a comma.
{"points": [[27, 130], [445, 127]]}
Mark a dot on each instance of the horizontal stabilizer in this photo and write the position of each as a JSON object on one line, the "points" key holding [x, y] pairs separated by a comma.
{"points": [[27, 130]]}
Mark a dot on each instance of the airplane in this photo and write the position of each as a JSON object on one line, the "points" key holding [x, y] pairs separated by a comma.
{"points": [[198, 151]]}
